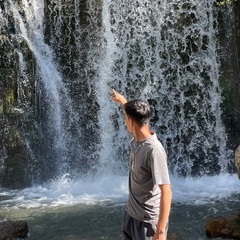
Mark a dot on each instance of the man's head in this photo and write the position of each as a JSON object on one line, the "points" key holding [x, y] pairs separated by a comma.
{"points": [[138, 111]]}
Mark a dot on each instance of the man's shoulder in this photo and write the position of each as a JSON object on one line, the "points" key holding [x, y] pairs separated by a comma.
{"points": [[153, 141], [155, 147]]}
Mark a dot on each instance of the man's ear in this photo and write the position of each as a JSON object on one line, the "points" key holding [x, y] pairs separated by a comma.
{"points": [[131, 121]]}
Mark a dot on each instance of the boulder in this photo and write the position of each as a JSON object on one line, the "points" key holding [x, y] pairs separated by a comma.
{"points": [[173, 236], [224, 227], [10, 230], [237, 160]]}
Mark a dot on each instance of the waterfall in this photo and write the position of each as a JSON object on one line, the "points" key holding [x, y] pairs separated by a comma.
{"points": [[54, 101], [162, 51], [166, 53]]}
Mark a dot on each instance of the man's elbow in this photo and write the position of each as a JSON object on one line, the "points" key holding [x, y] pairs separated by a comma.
{"points": [[166, 189]]}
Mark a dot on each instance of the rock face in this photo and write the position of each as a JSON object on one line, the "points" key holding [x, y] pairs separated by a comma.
{"points": [[11, 230], [224, 227], [22, 141], [237, 160], [13, 151], [173, 236], [229, 37]]}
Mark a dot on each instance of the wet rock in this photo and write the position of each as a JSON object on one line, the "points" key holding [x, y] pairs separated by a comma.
{"points": [[237, 160], [224, 227], [173, 236], [10, 230]]}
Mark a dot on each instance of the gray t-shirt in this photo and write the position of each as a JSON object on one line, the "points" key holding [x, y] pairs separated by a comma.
{"points": [[148, 170]]}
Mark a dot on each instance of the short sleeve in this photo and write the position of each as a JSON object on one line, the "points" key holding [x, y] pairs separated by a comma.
{"points": [[159, 166]]}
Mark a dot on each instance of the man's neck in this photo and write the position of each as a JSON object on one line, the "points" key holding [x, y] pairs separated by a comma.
{"points": [[142, 133]]}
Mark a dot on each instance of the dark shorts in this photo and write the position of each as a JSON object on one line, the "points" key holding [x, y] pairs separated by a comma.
{"points": [[133, 229]]}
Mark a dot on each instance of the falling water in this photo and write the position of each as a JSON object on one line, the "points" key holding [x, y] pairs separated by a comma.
{"points": [[164, 52], [54, 101], [161, 51]]}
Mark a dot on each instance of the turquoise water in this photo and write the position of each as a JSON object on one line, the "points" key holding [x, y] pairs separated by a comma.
{"points": [[71, 210], [103, 220]]}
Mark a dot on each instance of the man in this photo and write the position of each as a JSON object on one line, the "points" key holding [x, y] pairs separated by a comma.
{"points": [[150, 195]]}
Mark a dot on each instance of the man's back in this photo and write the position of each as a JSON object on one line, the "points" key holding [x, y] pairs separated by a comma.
{"points": [[148, 169]]}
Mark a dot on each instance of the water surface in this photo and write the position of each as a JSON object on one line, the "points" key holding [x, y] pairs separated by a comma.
{"points": [[71, 210]]}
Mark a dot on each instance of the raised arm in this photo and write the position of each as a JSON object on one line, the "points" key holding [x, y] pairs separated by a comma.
{"points": [[119, 98]]}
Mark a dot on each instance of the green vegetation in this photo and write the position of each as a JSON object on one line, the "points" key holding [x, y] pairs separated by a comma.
{"points": [[225, 2]]}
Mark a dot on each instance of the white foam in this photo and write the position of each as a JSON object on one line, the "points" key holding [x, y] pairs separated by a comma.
{"points": [[205, 189], [114, 189]]}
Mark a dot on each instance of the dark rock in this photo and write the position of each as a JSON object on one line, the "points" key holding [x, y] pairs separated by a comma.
{"points": [[237, 160], [224, 227], [10, 230], [173, 236]]}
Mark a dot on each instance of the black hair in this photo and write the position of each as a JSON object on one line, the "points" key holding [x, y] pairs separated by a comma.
{"points": [[138, 110]]}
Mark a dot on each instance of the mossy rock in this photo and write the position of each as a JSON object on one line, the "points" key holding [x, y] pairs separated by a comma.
{"points": [[13, 173]]}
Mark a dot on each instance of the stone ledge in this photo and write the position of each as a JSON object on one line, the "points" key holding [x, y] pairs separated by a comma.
{"points": [[224, 227], [10, 230]]}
